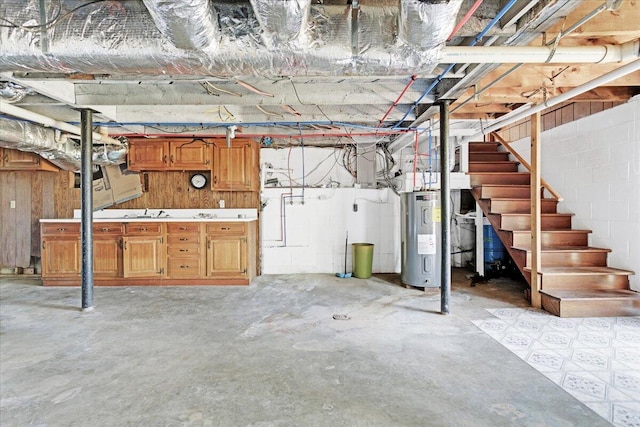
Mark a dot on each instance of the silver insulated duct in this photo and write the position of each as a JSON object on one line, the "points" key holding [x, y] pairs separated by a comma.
{"points": [[188, 24], [283, 21], [53, 146], [122, 38], [435, 18]]}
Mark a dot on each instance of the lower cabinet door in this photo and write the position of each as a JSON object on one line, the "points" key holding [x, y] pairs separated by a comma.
{"points": [[143, 256], [227, 256], [61, 257], [107, 257]]}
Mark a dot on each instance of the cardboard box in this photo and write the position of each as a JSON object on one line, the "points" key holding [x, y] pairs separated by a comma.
{"points": [[114, 184], [123, 183]]}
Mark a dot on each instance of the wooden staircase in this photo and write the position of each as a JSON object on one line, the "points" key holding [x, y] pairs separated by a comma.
{"points": [[575, 278]]}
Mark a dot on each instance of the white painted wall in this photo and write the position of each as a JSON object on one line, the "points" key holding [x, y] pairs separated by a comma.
{"points": [[594, 163], [310, 237]]}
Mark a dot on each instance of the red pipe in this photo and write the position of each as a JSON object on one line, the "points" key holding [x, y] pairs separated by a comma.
{"points": [[465, 19], [395, 104], [260, 135]]}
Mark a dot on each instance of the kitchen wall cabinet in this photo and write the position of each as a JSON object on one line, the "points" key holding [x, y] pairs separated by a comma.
{"points": [[167, 155], [235, 168], [153, 252], [22, 160]]}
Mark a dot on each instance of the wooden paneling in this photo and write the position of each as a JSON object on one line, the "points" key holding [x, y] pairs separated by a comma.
{"points": [[23, 220], [8, 219]]}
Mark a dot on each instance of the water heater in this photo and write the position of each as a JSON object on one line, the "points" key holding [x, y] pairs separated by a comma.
{"points": [[421, 239]]}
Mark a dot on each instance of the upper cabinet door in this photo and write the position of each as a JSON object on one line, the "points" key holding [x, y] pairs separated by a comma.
{"points": [[235, 167], [22, 160], [148, 155], [190, 155]]}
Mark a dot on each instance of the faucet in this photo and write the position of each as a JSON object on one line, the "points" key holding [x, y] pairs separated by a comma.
{"points": [[160, 213]]}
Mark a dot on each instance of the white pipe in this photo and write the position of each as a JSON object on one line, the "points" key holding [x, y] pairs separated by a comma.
{"points": [[542, 54], [599, 81], [12, 110]]}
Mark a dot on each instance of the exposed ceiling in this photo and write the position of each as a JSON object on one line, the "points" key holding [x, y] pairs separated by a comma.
{"points": [[289, 66]]}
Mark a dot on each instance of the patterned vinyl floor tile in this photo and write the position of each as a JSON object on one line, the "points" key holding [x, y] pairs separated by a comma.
{"points": [[595, 359]]}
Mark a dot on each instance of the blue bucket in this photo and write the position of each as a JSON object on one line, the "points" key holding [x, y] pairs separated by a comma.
{"points": [[493, 247]]}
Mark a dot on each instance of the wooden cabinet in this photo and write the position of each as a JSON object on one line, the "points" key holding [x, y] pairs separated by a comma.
{"points": [[166, 155], [152, 253], [22, 160], [227, 250], [107, 249], [61, 253], [143, 250], [184, 250], [235, 168]]}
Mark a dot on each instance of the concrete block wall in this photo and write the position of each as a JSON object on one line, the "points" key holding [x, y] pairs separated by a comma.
{"points": [[594, 163]]}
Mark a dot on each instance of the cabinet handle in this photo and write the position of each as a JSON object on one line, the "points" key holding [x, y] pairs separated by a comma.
{"points": [[208, 244], [184, 239], [164, 159], [61, 229], [120, 243], [124, 244], [225, 228], [106, 229], [171, 158], [42, 244], [142, 229], [215, 179], [184, 266], [184, 250]]}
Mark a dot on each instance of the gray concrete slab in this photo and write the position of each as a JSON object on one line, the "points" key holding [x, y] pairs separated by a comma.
{"points": [[270, 354]]}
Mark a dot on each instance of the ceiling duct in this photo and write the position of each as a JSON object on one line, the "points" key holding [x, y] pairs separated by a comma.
{"points": [[427, 24], [283, 21], [12, 92], [188, 24], [53, 146], [122, 38]]}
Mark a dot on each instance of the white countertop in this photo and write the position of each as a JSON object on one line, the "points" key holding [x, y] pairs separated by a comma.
{"points": [[165, 215]]}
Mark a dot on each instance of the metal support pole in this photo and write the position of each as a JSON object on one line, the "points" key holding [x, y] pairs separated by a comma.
{"points": [[86, 205], [445, 215]]}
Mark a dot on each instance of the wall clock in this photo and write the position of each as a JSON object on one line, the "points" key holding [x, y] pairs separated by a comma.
{"points": [[198, 181]]}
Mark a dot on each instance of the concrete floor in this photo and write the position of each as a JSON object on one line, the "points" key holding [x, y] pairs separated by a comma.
{"points": [[268, 355]]}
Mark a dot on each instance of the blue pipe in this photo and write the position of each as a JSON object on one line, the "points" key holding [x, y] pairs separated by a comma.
{"points": [[475, 41], [227, 124]]}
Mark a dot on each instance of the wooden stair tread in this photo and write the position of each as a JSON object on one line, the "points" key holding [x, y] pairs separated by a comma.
{"points": [[592, 294], [559, 231], [501, 185], [547, 199], [528, 214], [494, 162], [581, 271], [561, 249]]}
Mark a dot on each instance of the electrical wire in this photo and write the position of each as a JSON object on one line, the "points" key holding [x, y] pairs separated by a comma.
{"points": [[51, 23]]}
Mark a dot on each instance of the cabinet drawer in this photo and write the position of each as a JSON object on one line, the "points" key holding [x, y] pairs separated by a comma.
{"points": [[184, 249], [108, 228], [226, 228], [183, 239], [184, 267], [143, 228], [183, 228], [61, 228]]}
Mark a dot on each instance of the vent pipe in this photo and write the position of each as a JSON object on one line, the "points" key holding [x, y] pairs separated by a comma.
{"points": [[53, 146], [188, 24]]}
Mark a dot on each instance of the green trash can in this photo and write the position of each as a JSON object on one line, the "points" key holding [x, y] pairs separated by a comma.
{"points": [[362, 259]]}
